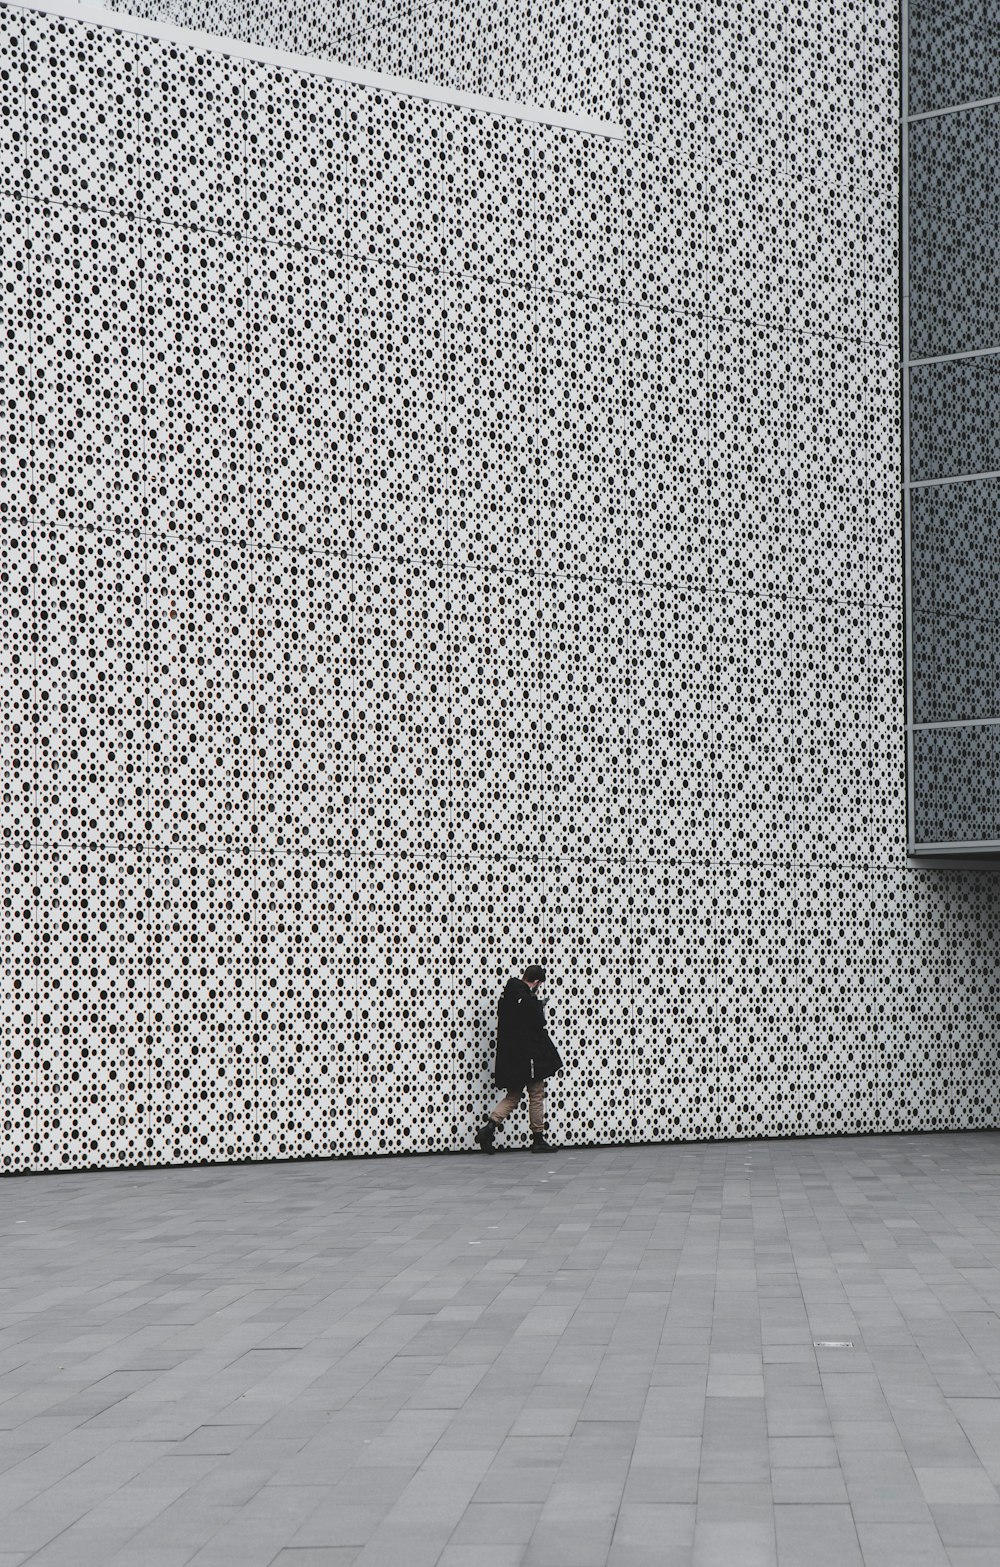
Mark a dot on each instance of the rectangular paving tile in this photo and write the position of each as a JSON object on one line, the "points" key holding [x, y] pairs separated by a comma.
{"points": [[902, 1545], [744, 1544], [808, 1485], [576, 1524], [497, 1523], [883, 1488], [956, 1485], [646, 1533], [660, 1484], [967, 1524], [803, 1452], [816, 1535]]}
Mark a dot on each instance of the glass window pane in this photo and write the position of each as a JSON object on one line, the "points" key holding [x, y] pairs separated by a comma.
{"points": [[955, 601], [956, 668], [956, 785], [955, 418], [954, 233], [954, 50]]}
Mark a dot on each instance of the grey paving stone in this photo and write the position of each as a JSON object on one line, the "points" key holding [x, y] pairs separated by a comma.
{"points": [[147, 1554], [735, 1386], [31, 1527], [808, 1485], [745, 1544], [854, 1396], [660, 1484], [341, 1522], [955, 1485], [725, 1503], [734, 1441], [646, 1533], [555, 1420], [967, 1524], [798, 1411], [816, 1536], [497, 1523], [658, 1446], [529, 1485], [901, 1545], [245, 1542], [935, 1443], [803, 1452], [299, 1360], [883, 1488], [481, 1555], [79, 1546], [866, 1436], [184, 1525]]}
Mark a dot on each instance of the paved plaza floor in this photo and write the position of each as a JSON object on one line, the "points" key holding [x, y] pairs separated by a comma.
{"points": [[598, 1356]]}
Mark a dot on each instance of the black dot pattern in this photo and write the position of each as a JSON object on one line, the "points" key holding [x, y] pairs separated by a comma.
{"points": [[566, 57]]}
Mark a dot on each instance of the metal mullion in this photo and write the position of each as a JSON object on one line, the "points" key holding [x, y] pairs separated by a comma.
{"points": [[959, 846], [953, 108], [904, 58], [953, 478], [957, 723], [911, 801], [968, 353]]}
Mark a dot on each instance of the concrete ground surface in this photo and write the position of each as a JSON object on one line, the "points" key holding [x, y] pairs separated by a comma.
{"points": [[602, 1356]]}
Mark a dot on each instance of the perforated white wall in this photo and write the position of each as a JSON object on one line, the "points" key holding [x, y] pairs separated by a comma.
{"points": [[433, 542], [565, 55]]}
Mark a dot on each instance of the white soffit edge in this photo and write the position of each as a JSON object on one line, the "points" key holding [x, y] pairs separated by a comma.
{"points": [[118, 21]]}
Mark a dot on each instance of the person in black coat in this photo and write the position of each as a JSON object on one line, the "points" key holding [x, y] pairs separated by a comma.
{"points": [[525, 1057]]}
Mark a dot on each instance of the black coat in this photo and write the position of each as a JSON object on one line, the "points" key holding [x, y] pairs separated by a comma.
{"points": [[525, 1053]]}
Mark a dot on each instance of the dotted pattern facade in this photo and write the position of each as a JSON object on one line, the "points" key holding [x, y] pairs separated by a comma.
{"points": [[566, 56], [433, 542]]}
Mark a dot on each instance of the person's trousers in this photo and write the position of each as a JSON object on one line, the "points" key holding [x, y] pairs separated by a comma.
{"points": [[536, 1105]]}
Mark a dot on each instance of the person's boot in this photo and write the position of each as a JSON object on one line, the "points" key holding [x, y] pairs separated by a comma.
{"points": [[538, 1143], [485, 1136]]}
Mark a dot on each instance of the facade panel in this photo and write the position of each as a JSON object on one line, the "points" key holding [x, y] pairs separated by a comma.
{"points": [[466, 541]]}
